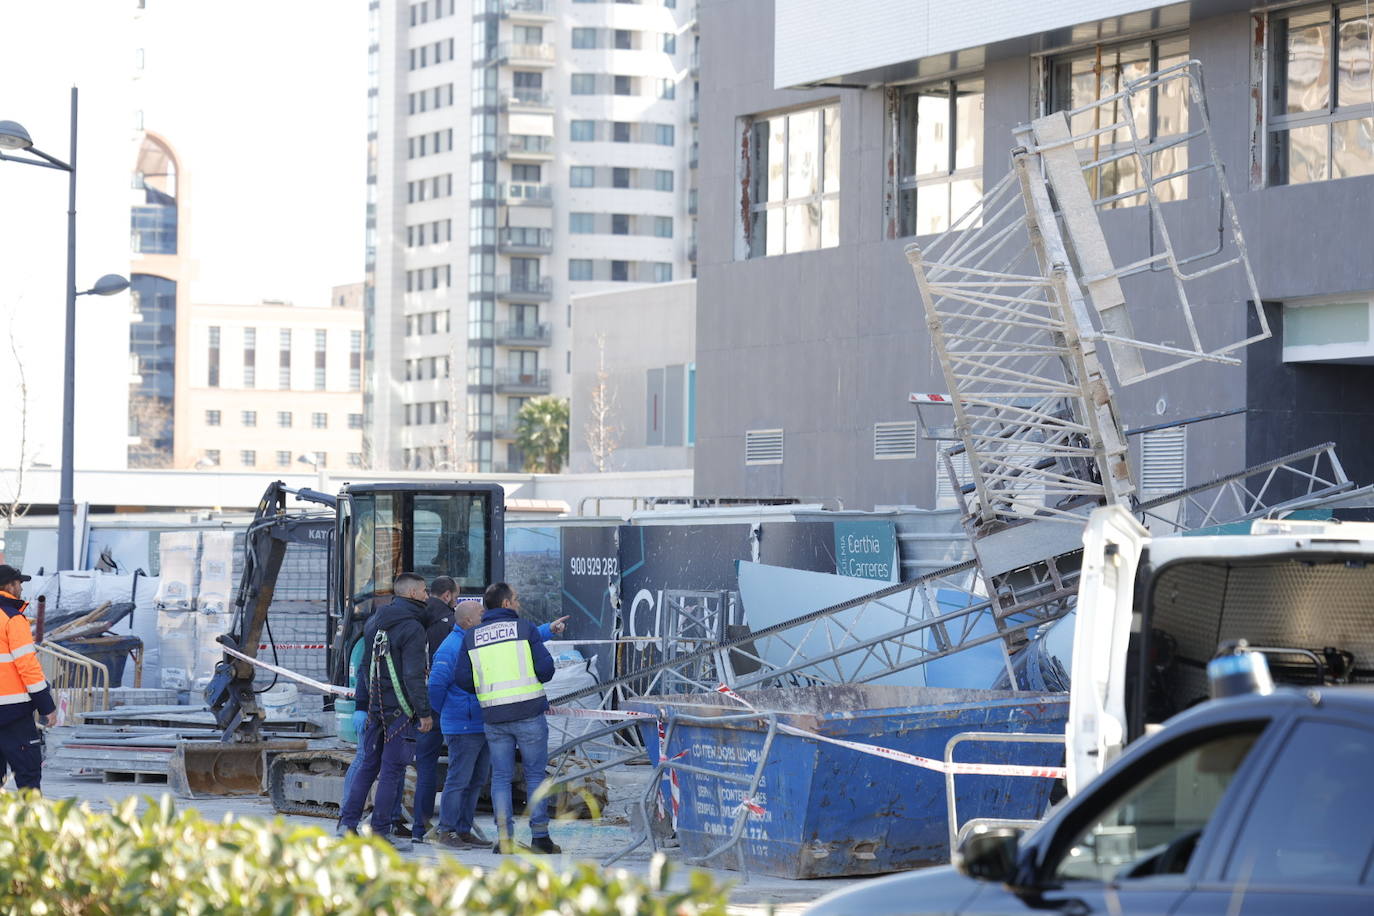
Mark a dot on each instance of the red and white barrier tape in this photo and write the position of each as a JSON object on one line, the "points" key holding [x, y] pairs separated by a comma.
{"points": [[607, 715], [939, 766]]}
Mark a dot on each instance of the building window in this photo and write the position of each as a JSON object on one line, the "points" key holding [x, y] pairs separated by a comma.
{"points": [[624, 40], [939, 134], [663, 227], [248, 458], [284, 359], [320, 459], [620, 177], [579, 269], [620, 131], [581, 223], [355, 459], [319, 420], [321, 339], [623, 85], [794, 182], [1319, 99], [213, 379], [355, 360], [284, 419], [249, 417], [212, 456], [250, 357], [355, 421], [663, 272], [669, 43], [620, 271], [582, 131], [663, 180], [283, 459], [664, 134], [620, 224], [1080, 79], [667, 89], [582, 176], [584, 84], [583, 39], [212, 418]]}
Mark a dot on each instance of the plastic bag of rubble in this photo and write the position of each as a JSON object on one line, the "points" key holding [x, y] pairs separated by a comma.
{"points": [[179, 562], [215, 586], [177, 638]]}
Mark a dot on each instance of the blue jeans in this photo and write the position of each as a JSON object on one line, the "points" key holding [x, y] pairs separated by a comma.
{"points": [[428, 746], [352, 773], [386, 749], [532, 736], [469, 769]]}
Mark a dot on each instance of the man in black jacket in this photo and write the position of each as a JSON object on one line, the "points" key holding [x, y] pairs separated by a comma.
{"points": [[438, 620], [391, 687]]}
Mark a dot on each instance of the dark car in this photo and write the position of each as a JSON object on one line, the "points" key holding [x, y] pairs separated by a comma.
{"points": [[1247, 806]]}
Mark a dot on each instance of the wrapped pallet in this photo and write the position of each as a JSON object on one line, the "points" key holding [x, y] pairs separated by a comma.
{"points": [[179, 557], [178, 643]]}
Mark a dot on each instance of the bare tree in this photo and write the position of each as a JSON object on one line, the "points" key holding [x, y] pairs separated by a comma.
{"points": [[13, 508], [601, 433]]}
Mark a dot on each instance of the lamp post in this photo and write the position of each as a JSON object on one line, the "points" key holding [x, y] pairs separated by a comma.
{"points": [[14, 137], [318, 465]]}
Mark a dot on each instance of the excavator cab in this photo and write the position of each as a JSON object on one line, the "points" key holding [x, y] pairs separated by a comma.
{"points": [[384, 529]]}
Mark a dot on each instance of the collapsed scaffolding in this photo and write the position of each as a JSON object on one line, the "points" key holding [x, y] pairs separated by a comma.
{"points": [[1023, 298]]}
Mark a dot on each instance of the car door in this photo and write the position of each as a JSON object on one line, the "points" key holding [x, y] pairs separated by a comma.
{"points": [[1128, 845], [1305, 844]]}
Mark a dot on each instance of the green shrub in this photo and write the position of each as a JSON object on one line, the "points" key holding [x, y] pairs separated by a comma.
{"points": [[60, 857]]}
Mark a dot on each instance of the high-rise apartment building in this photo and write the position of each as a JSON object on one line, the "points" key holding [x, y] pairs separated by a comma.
{"points": [[519, 152]]}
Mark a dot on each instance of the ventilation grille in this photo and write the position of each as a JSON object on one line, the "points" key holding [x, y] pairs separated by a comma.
{"points": [[1164, 460], [763, 446], [894, 440]]}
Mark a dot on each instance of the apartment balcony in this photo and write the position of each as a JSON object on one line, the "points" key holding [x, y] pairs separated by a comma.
{"points": [[504, 427], [525, 146], [693, 155], [694, 62], [524, 240], [523, 289], [519, 54], [692, 204], [524, 334], [523, 194], [694, 110], [522, 99], [530, 10], [514, 381]]}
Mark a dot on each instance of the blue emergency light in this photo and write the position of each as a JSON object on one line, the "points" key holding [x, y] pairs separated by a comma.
{"points": [[1238, 671]]}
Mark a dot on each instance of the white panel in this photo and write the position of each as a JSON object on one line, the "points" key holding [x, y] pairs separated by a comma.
{"points": [[894, 440], [1164, 460], [540, 125], [812, 42]]}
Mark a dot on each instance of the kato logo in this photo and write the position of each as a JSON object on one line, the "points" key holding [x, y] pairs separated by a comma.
{"points": [[495, 632]]}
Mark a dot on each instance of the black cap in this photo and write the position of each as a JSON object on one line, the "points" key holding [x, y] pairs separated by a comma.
{"points": [[9, 574]]}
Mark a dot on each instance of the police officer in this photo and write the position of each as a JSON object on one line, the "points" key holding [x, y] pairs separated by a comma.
{"points": [[23, 691], [504, 662], [391, 687]]}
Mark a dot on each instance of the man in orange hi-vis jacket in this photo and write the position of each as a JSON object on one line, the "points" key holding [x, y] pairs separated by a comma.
{"points": [[23, 691]]}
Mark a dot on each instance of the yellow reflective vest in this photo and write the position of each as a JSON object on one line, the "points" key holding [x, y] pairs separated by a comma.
{"points": [[502, 665]]}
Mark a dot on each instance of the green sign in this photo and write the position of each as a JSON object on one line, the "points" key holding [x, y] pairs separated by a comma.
{"points": [[866, 550]]}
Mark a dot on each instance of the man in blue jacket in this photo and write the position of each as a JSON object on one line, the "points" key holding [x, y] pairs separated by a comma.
{"points": [[460, 718], [391, 688], [503, 661]]}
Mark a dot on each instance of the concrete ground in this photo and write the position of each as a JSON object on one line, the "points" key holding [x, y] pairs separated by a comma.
{"points": [[582, 840]]}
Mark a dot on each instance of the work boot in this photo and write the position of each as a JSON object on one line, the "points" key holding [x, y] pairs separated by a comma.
{"points": [[474, 837], [545, 846], [454, 840], [507, 847]]}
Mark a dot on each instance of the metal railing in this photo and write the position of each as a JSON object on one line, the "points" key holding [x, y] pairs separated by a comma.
{"points": [[514, 50], [534, 98], [534, 380], [524, 286], [525, 238], [525, 332], [954, 828], [539, 195], [517, 144]]}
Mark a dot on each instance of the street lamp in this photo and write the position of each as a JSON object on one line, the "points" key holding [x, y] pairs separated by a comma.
{"points": [[318, 465], [13, 137]]}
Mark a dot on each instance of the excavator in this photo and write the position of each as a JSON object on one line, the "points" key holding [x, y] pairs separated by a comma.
{"points": [[372, 532]]}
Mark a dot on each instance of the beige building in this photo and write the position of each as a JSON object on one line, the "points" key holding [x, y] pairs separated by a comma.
{"points": [[270, 384]]}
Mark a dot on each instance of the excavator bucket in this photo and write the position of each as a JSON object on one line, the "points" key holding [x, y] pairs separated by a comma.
{"points": [[221, 768]]}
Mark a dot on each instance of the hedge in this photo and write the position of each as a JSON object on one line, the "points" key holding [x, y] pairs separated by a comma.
{"points": [[61, 857]]}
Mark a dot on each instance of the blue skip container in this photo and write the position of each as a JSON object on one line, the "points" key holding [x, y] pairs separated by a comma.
{"points": [[832, 811]]}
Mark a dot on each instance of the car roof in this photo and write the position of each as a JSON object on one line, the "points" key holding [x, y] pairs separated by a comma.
{"points": [[1358, 700]]}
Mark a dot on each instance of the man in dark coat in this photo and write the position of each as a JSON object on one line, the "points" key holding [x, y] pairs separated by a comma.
{"points": [[438, 620], [391, 688]]}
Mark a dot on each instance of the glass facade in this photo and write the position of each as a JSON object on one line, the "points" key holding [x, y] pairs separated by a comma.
{"points": [[152, 348]]}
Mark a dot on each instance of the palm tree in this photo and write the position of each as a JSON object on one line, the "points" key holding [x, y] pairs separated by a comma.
{"points": [[541, 432]]}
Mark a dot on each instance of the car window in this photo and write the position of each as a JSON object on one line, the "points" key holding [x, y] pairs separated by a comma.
{"points": [[1154, 826], [1310, 822]]}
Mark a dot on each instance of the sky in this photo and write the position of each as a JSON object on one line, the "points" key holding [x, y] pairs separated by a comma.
{"points": [[265, 103], [263, 100]]}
